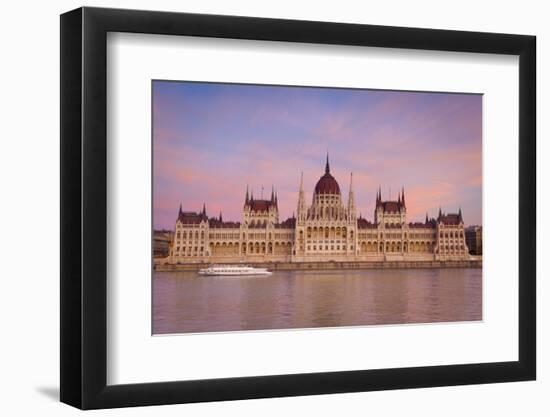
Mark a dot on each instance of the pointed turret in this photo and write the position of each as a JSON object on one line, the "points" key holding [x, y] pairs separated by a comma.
{"points": [[327, 166], [439, 215], [301, 200], [460, 214], [351, 200], [180, 212], [272, 194], [246, 199], [221, 219], [403, 196], [426, 222], [204, 209]]}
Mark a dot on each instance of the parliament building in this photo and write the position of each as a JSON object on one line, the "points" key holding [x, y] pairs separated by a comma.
{"points": [[326, 230]]}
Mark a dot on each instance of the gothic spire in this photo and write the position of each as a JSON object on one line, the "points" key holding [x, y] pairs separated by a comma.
{"points": [[246, 200], [221, 220], [272, 194], [460, 213], [301, 209], [327, 167], [180, 212], [352, 212], [204, 209], [403, 196], [426, 218], [439, 216]]}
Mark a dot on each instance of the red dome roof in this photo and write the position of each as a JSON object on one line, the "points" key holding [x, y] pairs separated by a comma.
{"points": [[327, 184]]}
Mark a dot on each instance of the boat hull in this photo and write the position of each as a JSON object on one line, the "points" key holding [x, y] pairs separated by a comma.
{"points": [[234, 271], [240, 274]]}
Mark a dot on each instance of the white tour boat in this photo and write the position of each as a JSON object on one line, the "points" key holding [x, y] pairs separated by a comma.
{"points": [[233, 270]]}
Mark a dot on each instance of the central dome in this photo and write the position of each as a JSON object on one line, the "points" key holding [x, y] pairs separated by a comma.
{"points": [[327, 183]]}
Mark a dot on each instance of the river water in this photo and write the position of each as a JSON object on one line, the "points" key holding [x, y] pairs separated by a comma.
{"points": [[186, 302]]}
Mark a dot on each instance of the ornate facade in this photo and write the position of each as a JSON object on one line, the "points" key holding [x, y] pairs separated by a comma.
{"points": [[327, 230]]}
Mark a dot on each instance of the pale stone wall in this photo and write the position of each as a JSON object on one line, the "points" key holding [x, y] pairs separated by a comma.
{"points": [[319, 239], [190, 241], [475, 262], [451, 243], [325, 231]]}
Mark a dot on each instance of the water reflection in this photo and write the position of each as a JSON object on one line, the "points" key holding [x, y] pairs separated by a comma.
{"points": [[186, 302]]}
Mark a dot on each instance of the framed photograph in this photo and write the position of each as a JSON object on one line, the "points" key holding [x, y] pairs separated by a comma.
{"points": [[257, 208]]}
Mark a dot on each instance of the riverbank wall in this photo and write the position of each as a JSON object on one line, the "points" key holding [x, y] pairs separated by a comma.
{"points": [[322, 266]]}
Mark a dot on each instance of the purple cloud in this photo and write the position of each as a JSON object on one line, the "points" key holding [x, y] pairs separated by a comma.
{"points": [[212, 140]]}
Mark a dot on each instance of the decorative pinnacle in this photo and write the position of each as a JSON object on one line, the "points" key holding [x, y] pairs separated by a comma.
{"points": [[327, 166]]}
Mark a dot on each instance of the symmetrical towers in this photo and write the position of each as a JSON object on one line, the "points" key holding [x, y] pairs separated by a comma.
{"points": [[390, 212], [326, 230], [260, 212], [327, 227]]}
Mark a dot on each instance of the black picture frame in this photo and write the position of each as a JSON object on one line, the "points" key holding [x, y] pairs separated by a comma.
{"points": [[84, 207]]}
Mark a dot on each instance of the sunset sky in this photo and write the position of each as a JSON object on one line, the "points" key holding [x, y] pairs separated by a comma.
{"points": [[210, 140]]}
